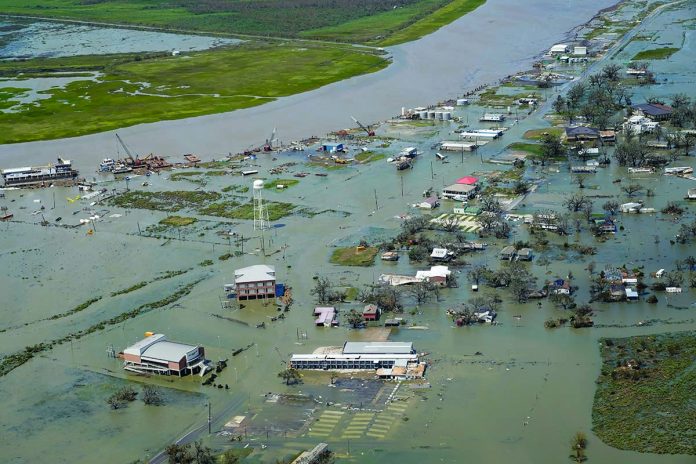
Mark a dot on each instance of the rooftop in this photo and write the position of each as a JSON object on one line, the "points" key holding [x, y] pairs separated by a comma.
{"points": [[459, 188], [256, 273], [377, 348], [654, 109]]}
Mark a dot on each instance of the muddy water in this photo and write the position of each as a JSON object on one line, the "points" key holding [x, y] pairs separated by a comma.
{"points": [[497, 39], [521, 400]]}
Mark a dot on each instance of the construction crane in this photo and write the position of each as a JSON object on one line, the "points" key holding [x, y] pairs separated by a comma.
{"points": [[269, 143], [129, 158], [370, 133]]}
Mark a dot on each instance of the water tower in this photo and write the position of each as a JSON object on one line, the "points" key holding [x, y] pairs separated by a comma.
{"points": [[260, 211]]}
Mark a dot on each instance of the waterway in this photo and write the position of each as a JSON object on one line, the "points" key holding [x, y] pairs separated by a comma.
{"points": [[498, 39]]}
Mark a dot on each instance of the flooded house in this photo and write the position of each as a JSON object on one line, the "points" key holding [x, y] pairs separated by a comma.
{"points": [[429, 203], [525, 254], [508, 253], [441, 254], [255, 282], [581, 133], [156, 355], [459, 192], [327, 316], [371, 312], [390, 256], [654, 111]]}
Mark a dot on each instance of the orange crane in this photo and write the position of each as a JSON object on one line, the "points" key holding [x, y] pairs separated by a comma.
{"points": [[370, 132]]}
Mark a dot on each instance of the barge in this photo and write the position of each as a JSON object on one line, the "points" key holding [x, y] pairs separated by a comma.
{"points": [[38, 175]]}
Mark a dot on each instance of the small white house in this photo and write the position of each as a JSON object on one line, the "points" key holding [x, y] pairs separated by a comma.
{"points": [[579, 50]]}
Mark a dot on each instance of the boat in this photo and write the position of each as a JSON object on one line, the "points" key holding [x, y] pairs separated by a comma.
{"points": [[250, 172], [6, 217], [121, 169], [106, 165]]}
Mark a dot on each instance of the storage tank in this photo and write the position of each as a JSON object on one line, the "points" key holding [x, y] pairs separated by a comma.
{"points": [[446, 116], [423, 114], [431, 114], [462, 101]]}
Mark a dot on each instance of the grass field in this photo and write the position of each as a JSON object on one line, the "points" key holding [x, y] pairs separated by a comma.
{"points": [[199, 83], [537, 134], [353, 256], [645, 393], [655, 54], [339, 20], [531, 148]]}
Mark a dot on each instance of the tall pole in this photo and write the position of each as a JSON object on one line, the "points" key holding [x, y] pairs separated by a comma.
{"points": [[209, 420], [432, 176], [402, 185], [376, 205]]}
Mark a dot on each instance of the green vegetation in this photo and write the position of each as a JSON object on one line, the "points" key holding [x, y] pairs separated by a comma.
{"points": [[234, 210], [434, 21], [170, 201], [236, 188], [132, 288], [183, 174], [538, 134], [369, 156], [644, 398], [346, 21], [76, 309], [224, 209], [207, 262], [531, 148], [192, 85], [274, 183], [491, 97], [178, 221], [354, 256], [655, 54]]}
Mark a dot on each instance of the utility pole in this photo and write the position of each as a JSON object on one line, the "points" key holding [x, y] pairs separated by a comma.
{"points": [[402, 185], [376, 205], [432, 175], [209, 420]]}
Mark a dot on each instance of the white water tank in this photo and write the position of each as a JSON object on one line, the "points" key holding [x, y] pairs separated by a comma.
{"points": [[258, 184]]}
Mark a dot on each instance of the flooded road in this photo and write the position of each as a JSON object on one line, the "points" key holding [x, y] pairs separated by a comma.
{"points": [[496, 40]]}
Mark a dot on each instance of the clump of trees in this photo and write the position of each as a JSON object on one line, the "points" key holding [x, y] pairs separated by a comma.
{"points": [[291, 376], [186, 454], [673, 208], [514, 275], [122, 397], [355, 318], [324, 291], [388, 298], [152, 396]]}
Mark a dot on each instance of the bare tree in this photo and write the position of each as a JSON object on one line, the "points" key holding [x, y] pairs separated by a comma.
{"points": [[422, 291], [632, 189]]}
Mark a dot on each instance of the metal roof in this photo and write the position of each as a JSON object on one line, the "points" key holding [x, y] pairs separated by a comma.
{"points": [[139, 348], [168, 351], [255, 273], [386, 348], [459, 188]]}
